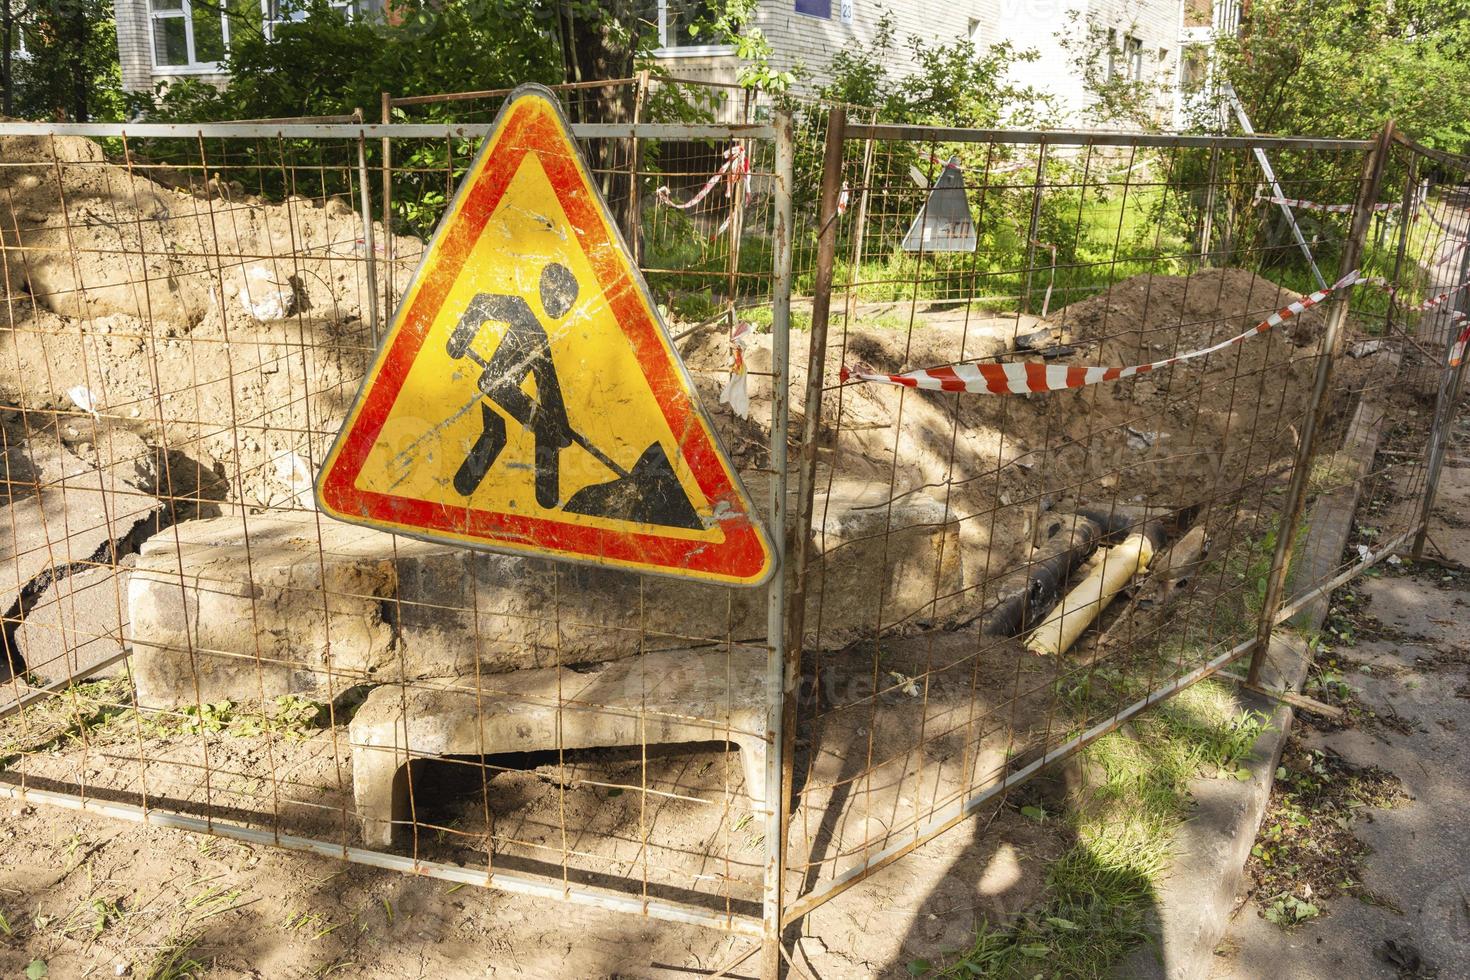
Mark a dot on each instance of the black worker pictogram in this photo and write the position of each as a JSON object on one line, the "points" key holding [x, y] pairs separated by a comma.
{"points": [[648, 493]]}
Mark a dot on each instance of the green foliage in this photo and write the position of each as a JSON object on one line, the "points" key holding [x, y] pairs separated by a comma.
{"points": [[954, 84], [71, 72], [1343, 67], [323, 64]]}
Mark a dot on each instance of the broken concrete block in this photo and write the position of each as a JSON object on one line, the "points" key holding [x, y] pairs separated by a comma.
{"points": [[63, 514], [368, 607], [77, 622], [883, 565], [247, 607], [668, 697]]}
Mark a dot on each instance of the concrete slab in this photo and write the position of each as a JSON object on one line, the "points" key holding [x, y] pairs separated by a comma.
{"points": [[77, 622], [659, 698], [282, 601]]}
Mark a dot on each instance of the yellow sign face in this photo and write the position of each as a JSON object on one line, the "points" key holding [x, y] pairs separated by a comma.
{"points": [[527, 396]]}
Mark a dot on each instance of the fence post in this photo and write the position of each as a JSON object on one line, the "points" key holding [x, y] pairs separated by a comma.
{"points": [[784, 671], [635, 209], [1406, 211], [385, 104], [370, 267], [1207, 223], [1296, 494], [1450, 382], [1035, 223], [777, 689]]}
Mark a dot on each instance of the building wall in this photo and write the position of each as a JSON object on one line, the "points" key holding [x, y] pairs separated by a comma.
{"points": [[134, 44], [811, 42], [799, 39]]}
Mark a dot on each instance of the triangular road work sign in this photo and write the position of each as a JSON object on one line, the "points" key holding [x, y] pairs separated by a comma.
{"points": [[944, 223], [527, 397]]}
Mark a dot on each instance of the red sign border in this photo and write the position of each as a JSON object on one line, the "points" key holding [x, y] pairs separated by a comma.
{"points": [[532, 121]]}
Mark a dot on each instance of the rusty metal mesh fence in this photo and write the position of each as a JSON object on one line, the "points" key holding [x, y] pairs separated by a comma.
{"points": [[189, 312], [966, 522]]}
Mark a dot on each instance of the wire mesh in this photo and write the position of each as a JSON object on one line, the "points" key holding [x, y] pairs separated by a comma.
{"points": [[189, 321], [189, 318], [932, 681]]}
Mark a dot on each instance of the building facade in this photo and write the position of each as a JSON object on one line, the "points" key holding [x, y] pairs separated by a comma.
{"points": [[162, 40]]}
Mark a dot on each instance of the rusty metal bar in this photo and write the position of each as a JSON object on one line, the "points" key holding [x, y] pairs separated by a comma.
{"points": [[779, 684], [501, 880], [1296, 495], [1087, 137], [491, 93], [801, 544], [351, 131]]}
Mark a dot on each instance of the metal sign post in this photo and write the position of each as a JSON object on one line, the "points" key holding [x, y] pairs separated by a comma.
{"points": [[1265, 162]]}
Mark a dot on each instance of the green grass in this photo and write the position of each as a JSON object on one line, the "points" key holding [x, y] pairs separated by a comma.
{"points": [[1104, 240], [1100, 892]]}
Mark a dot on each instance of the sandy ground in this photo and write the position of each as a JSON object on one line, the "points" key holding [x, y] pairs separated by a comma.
{"points": [[241, 911]]}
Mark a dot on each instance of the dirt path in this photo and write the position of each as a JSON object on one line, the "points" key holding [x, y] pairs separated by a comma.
{"points": [[1403, 908]]}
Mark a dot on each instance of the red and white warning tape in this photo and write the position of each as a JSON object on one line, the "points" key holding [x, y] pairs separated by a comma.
{"points": [[736, 392], [1027, 377], [1457, 352], [735, 169], [1293, 202], [1427, 304]]}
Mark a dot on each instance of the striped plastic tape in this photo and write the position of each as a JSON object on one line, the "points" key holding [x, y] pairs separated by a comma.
{"points": [[1026, 377]]}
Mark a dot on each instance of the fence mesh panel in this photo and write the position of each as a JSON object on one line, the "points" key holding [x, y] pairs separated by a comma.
{"points": [[189, 315]]}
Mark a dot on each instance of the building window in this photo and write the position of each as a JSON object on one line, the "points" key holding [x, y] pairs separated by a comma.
{"points": [[275, 12], [684, 29], [174, 42], [194, 35], [973, 33], [815, 8], [1194, 70], [1133, 58], [1125, 63]]}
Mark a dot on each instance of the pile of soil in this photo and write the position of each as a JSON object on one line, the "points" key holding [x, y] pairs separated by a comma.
{"points": [[1197, 432], [226, 327]]}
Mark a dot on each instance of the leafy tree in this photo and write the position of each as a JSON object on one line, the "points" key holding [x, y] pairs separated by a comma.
{"points": [[1343, 67], [70, 70]]}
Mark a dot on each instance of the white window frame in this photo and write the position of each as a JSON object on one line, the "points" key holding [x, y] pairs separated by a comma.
{"points": [[347, 8], [185, 13], [1133, 57], [664, 50]]}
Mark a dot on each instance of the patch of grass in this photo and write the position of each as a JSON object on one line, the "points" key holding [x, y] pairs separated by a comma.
{"points": [[174, 959], [760, 317], [1099, 893], [290, 717], [1306, 852], [52, 722]]}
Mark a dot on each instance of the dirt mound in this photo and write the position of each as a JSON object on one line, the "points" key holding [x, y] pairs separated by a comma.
{"points": [[100, 239], [1197, 432]]}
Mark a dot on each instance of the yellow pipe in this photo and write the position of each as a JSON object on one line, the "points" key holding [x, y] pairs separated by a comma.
{"points": [[1085, 603]]}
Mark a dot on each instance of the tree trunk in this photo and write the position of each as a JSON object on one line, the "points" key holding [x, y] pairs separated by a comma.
{"points": [[7, 36], [599, 42]]}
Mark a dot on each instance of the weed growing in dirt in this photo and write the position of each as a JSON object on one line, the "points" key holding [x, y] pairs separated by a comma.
{"points": [[1306, 852], [51, 722], [1099, 893], [291, 717]]}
